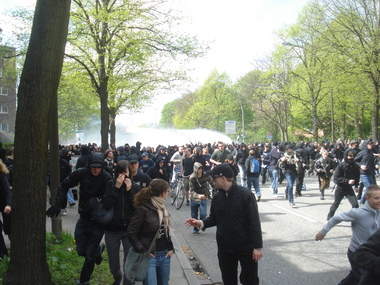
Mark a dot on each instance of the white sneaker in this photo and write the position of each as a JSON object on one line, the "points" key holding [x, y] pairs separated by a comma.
{"points": [[63, 212]]}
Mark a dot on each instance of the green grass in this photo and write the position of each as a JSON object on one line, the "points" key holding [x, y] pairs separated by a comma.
{"points": [[65, 264]]}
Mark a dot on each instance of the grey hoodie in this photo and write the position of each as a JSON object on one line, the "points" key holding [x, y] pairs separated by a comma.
{"points": [[199, 185], [365, 221]]}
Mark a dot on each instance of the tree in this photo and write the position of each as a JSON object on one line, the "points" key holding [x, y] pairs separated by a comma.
{"points": [[122, 48], [305, 56], [354, 31], [263, 91], [38, 85], [167, 114], [75, 100]]}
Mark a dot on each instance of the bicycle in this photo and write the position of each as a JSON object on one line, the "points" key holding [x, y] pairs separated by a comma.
{"points": [[173, 188], [179, 193]]}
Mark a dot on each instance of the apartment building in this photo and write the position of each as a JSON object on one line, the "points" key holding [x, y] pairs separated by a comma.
{"points": [[7, 89]]}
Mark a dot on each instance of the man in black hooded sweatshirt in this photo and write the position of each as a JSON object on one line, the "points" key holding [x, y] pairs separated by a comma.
{"points": [[94, 182], [346, 175]]}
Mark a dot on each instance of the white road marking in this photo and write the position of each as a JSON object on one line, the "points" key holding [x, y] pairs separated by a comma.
{"points": [[296, 214]]}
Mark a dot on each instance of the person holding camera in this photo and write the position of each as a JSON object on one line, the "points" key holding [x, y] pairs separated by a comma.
{"points": [[289, 163]]}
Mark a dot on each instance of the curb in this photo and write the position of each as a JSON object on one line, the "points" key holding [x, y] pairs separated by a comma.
{"points": [[185, 264]]}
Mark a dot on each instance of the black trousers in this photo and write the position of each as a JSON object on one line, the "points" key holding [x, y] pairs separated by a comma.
{"points": [[88, 235], [299, 182], [340, 193], [228, 264], [3, 248]]}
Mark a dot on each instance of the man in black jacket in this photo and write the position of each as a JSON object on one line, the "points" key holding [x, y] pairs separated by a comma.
{"points": [[346, 175], [234, 211], [139, 177], [367, 163], [94, 182]]}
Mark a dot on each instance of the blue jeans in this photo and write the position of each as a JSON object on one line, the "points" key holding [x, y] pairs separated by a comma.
{"points": [[88, 235], [264, 171], [159, 269], [200, 207], [290, 178], [256, 184], [113, 242], [70, 196], [275, 173], [367, 181]]}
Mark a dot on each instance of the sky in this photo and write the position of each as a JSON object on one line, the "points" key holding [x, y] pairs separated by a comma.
{"points": [[240, 32]]}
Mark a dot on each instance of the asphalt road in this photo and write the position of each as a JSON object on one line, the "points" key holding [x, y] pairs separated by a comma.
{"points": [[291, 256]]}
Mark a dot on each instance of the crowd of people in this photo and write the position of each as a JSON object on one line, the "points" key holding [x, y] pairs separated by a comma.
{"points": [[135, 181]]}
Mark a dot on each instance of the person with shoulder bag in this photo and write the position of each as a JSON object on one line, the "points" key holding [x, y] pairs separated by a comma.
{"points": [[149, 233]]}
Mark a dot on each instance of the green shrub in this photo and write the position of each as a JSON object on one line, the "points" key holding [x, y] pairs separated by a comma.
{"points": [[65, 264], [8, 145]]}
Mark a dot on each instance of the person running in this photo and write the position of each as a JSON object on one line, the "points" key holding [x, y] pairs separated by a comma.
{"points": [[324, 167], [365, 221], [346, 176], [94, 182]]}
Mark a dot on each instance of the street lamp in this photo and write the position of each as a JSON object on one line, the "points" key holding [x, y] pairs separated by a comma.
{"points": [[242, 117]]}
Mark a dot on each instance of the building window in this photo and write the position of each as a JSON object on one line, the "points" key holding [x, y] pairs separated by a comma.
{"points": [[4, 109], [3, 91], [4, 127]]}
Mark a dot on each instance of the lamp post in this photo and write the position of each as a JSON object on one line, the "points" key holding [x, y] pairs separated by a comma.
{"points": [[242, 117]]}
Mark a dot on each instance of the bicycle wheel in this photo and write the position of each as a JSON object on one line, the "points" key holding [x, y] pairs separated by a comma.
{"points": [[173, 194], [180, 196]]}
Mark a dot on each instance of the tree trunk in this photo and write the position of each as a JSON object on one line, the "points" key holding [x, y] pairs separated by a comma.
{"points": [[104, 118], [112, 128], [358, 127], [315, 121], [375, 111], [56, 222], [38, 84]]}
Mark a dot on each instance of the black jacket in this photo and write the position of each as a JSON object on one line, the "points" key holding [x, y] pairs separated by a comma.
{"points": [[275, 155], [366, 157], [90, 187], [5, 192], [143, 228], [367, 256], [142, 179], [122, 203], [236, 216], [242, 156], [346, 171], [154, 172]]}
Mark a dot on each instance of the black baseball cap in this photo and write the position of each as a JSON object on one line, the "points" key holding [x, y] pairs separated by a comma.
{"points": [[221, 170]]}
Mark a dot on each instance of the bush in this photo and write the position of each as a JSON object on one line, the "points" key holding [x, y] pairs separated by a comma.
{"points": [[6, 137], [65, 264], [8, 145]]}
